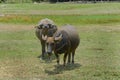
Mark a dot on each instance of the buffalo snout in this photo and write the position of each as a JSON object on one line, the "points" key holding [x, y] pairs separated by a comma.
{"points": [[49, 49]]}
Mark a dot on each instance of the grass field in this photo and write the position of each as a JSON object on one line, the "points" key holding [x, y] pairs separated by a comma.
{"points": [[97, 57]]}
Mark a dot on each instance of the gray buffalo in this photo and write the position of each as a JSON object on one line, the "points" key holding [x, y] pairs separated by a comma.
{"points": [[65, 40], [45, 27]]}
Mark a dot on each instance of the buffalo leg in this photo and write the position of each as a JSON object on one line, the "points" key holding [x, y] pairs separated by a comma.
{"points": [[73, 53], [64, 59], [43, 49], [69, 58], [57, 56]]}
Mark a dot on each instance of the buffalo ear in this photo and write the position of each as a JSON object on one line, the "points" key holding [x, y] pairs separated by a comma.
{"points": [[59, 38], [44, 37], [39, 27], [54, 27], [35, 26]]}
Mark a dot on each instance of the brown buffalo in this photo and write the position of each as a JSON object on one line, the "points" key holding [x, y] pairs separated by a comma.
{"points": [[45, 27], [64, 41]]}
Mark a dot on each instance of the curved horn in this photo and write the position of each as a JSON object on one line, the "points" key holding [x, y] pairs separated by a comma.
{"points": [[58, 38], [44, 37]]}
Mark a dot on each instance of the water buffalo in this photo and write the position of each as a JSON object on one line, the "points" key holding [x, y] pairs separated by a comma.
{"points": [[65, 40], [45, 27]]}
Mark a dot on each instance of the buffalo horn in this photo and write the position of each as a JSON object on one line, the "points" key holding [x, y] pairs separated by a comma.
{"points": [[58, 38], [44, 37]]}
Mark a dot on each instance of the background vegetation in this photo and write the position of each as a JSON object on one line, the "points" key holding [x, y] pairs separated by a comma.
{"points": [[97, 57], [53, 1]]}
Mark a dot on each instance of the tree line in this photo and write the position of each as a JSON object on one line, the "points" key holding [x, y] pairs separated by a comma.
{"points": [[38, 1]]}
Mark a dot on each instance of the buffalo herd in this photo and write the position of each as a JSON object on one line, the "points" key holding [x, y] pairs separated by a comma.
{"points": [[60, 41]]}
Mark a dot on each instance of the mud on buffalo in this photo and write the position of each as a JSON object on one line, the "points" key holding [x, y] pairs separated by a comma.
{"points": [[64, 40]]}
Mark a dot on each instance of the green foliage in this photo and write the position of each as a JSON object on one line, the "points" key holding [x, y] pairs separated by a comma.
{"points": [[2, 1], [61, 8], [36, 0], [18, 1]]}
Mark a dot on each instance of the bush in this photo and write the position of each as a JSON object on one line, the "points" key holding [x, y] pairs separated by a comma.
{"points": [[2, 1], [36, 0]]}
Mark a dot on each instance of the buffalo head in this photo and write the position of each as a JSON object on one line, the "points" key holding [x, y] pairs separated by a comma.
{"points": [[51, 42], [46, 24]]}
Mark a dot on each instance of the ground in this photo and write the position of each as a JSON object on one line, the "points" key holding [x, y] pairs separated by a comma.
{"points": [[96, 58]]}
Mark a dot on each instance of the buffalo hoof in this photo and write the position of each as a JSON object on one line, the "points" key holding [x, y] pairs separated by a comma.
{"points": [[41, 57], [72, 62], [64, 65], [68, 63]]}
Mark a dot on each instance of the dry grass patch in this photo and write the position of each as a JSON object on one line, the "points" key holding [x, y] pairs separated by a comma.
{"points": [[13, 27]]}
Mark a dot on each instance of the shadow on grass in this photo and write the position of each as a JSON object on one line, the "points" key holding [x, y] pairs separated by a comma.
{"points": [[59, 69], [46, 58]]}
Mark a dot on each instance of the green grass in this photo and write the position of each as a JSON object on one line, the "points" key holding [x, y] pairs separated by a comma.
{"points": [[76, 14], [61, 9], [97, 57], [72, 19]]}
